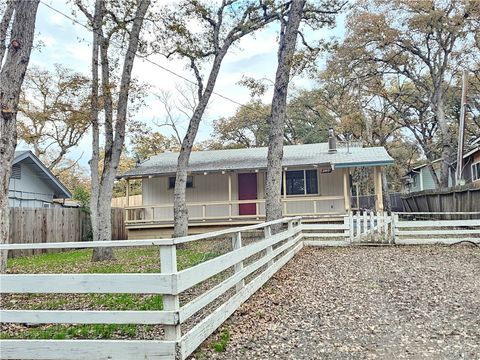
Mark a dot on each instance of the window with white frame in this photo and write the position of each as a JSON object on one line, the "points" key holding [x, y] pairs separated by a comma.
{"points": [[476, 171], [301, 182]]}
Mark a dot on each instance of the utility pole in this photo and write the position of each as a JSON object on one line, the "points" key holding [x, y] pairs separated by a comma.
{"points": [[461, 129]]}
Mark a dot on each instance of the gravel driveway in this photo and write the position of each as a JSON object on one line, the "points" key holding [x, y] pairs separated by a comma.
{"points": [[363, 303]]}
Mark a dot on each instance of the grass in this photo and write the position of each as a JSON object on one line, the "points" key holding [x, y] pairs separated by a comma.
{"points": [[222, 341], [128, 260]]}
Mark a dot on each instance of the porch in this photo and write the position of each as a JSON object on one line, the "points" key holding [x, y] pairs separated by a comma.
{"points": [[222, 199]]}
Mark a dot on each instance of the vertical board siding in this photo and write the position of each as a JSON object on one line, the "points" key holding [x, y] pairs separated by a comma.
{"points": [[462, 200], [41, 225]]}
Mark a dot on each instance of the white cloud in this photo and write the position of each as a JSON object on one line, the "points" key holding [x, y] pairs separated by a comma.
{"points": [[56, 19]]}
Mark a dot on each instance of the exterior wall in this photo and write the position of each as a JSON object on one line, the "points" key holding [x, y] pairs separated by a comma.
{"points": [[29, 190], [214, 187], [428, 182], [467, 166]]}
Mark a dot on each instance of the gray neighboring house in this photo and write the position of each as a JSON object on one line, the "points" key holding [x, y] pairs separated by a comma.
{"points": [[420, 178], [32, 185]]}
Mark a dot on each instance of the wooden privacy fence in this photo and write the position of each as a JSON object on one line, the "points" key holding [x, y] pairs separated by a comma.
{"points": [[450, 200], [270, 254], [42, 225]]}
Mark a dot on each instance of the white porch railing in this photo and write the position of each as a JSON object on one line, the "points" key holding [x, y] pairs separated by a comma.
{"points": [[229, 210]]}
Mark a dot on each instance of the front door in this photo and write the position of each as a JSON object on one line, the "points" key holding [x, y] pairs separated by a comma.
{"points": [[247, 190]]}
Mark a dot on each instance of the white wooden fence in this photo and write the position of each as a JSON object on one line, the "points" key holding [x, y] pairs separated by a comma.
{"points": [[273, 251], [420, 229], [371, 227]]}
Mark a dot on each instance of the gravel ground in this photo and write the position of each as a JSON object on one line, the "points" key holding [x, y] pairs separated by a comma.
{"points": [[363, 303]]}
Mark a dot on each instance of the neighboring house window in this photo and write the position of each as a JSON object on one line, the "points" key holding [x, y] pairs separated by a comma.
{"points": [[171, 182], [16, 171], [476, 171], [301, 182], [415, 180]]}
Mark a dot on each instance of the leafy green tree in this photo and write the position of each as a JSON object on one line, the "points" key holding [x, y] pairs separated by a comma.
{"points": [[54, 112], [421, 44]]}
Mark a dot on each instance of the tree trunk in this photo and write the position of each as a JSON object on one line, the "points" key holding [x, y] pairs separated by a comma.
{"points": [[180, 210], [438, 107], [276, 121], [386, 193], [11, 78], [95, 108], [102, 184]]}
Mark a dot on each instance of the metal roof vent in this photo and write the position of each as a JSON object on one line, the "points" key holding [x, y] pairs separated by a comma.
{"points": [[16, 171], [332, 142]]}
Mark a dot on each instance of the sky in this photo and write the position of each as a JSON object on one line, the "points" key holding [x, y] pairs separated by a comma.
{"points": [[61, 41]]}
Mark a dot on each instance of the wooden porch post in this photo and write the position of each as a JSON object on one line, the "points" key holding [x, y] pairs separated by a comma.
{"points": [[128, 198], [128, 192], [377, 175], [346, 189]]}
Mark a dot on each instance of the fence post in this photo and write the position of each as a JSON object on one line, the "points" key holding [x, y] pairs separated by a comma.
{"points": [[346, 230], [168, 265], [394, 227], [359, 229], [385, 227], [372, 225], [237, 244], [365, 224], [350, 222], [267, 234]]}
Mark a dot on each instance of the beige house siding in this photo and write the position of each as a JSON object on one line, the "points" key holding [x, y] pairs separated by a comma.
{"points": [[214, 187]]}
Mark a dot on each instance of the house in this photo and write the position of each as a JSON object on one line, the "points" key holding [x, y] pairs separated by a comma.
{"points": [[226, 187], [32, 184], [420, 177], [471, 164]]}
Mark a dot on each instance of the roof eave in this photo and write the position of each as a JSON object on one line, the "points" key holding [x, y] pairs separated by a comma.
{"points": [[29, 154], [364, 163]]}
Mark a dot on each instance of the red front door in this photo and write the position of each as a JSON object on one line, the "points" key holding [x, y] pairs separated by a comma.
{"points": [[247, 190]]}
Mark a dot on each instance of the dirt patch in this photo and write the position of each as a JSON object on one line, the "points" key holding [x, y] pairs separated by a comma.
{"points": [[363, 303]]}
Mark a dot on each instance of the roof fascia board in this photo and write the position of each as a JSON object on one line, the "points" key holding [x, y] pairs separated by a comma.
{"points": [[29, 154], [200, 172], [365, 164]]}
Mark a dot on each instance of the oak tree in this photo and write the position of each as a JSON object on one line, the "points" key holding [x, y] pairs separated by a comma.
{"points": [[17, 29], [113, 25]]}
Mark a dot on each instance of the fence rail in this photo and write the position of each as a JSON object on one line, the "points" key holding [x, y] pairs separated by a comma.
{"points": [[269, 254], [413, 229], [273, 251]]}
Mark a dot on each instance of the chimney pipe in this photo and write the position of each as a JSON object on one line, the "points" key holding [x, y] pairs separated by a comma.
{"points": [[332, 142]]}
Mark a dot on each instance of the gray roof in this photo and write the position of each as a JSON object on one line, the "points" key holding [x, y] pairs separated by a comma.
{"points": [[42, 172], [256, 158]]}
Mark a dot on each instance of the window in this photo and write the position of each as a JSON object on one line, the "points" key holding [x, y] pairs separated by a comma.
{"points": [[476, 171], [301, 182], [415, 180], [171, 182]]}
